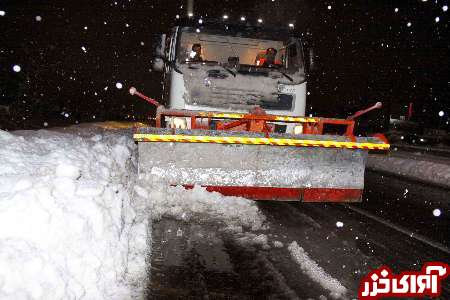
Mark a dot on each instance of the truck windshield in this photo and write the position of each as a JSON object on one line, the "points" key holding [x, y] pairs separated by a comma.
{"points": [[232, 48]]}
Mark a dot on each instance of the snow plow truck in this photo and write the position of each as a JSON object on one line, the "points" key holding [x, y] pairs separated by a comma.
{"points": [[233, 119]]}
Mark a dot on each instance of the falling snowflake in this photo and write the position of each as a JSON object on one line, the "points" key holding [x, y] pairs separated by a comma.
{"points": [[45, 124], [445, 8], [2, 13], [17, 68], [409, 24], [84, 49], [437, 212], [437, 19], [119, 85], [339, 224], [396, 9], [329, 7], [441, 113], [38, 18], [406, 192]]}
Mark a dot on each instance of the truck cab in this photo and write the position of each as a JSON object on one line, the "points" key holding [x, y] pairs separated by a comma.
{"points": [[217, 66]]}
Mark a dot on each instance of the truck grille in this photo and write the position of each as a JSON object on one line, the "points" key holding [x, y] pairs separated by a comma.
{"points": [[285, 102]]}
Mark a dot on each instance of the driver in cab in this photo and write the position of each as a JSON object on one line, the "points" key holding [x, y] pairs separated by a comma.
{"points": [[268, 59], [196, 53]]}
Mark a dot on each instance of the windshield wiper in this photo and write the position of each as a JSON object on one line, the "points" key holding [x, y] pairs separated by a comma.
{"points": [[286, 75], [229, 70], [226, 69], [291, 79], [215, 62]]}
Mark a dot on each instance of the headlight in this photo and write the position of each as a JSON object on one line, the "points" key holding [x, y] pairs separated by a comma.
{"points": [[298, 129], [178, 123]]}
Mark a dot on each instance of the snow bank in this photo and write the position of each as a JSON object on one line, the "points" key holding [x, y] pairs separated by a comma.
{"points": [[412, 166], [68, 226], [75, 221], [315, 272]]}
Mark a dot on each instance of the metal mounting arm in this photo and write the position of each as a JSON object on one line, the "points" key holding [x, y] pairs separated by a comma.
{"points": [[364, 111], [133, 91]]}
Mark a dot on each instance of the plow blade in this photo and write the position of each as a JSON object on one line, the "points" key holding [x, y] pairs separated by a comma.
{"points": [[282, 167]]}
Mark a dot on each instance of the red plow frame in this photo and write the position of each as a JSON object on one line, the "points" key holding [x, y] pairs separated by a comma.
{"points": [[310, 175]]}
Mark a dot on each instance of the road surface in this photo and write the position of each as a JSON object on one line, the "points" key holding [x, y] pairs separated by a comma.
{"points": [[394, 226]]}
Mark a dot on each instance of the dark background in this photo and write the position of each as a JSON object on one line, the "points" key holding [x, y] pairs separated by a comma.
{"points": [[366, 53]]}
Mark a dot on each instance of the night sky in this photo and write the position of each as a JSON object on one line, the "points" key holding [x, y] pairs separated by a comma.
{"points": [[72, 54]]}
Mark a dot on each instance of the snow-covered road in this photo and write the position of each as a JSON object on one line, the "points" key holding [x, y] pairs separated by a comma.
{"points": [[309, 250]]}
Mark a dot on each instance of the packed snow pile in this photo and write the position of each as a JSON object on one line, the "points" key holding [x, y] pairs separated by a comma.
{"points": [[68, 228], [412, 166], [237, 214], [75, 221]]}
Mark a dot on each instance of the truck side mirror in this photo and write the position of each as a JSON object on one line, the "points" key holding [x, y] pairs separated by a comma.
{"points": [[311, 60], [159, 52], [158, 64], [159, 45]]}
